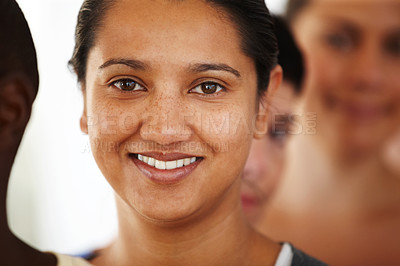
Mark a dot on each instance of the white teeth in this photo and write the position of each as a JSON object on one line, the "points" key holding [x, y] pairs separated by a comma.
{"points": [[151, 161], [170, 165], [179, 163], [160, 165]]}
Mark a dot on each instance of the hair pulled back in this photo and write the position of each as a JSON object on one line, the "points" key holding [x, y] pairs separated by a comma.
{"points": [[251, 17]]}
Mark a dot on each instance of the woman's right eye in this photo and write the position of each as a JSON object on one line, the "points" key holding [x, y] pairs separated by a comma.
{"points": [[339, 42], [127, 85], [278, 136]]}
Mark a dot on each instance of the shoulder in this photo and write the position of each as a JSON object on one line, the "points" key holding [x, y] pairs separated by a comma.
{"points": [[290, 256], [300, 258]]}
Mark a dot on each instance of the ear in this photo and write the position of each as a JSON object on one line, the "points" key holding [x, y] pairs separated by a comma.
{"points": [[261, 121], [84, 120], [16, 98]]}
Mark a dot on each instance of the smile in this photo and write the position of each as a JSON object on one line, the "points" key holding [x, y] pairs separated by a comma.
{"points": [[167, 169], [166, 165]]}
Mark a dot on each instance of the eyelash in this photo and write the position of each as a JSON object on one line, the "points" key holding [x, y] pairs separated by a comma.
{"points": [[118, 84], [219, 89]]}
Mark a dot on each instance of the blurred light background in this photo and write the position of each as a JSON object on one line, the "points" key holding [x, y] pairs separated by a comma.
{"points": [[58, 200]]}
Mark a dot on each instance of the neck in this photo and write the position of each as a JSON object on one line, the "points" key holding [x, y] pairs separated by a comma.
{"points": [[7, 160], [219, 237], [366, 186], [13, 250]]}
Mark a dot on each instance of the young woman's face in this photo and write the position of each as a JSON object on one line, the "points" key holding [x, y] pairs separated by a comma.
{"points": [[265, 163], [168, 86], [352, 51]]}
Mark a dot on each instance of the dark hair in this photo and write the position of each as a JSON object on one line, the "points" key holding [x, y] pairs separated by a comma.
{"points": [[294, 7], [290, 57], [17, 51], [252, 18]]}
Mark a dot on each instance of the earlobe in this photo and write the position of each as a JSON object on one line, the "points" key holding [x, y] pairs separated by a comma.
{"points": [[261, 121], [83, 123]]}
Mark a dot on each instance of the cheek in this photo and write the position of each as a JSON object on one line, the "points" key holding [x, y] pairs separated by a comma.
{"points": [[273, 164], [109, 125], [392, 78], [228, 134], [232, 129], [323, 72]]}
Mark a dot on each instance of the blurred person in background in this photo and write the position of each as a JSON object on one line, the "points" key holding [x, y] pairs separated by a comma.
{"points": [[19, 81], [339, 198], [266, 159]]}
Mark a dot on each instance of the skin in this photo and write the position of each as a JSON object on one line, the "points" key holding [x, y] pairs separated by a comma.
{"points": [[16, 98], [341, 186], [265, 163], [358, 90], [200, 214]]}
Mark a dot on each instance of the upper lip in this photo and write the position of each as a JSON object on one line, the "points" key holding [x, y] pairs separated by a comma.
{"points": [[358, 106], [167, 156]]}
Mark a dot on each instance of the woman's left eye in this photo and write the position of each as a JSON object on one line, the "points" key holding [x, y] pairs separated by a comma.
{"points": [[393, 46], [207, 88], [127, 85]]}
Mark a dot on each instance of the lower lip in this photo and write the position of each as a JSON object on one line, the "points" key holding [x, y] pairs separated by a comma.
{"points": [[166, 177], [248, 201], [362, 114], [358, 113]]}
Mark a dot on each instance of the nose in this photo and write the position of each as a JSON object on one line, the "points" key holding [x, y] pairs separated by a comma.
{"points": [[164, 121], [367, 67]]}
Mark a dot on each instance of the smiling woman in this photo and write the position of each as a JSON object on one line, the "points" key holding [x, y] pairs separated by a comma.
{"points": [[166, 84], [343, 176]]}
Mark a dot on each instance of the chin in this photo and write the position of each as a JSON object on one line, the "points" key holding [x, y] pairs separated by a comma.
{"points": [[359, 141], [164, 208], [167, 217]]}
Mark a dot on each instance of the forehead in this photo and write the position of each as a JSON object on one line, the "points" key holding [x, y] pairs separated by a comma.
{"points": [[370, 14], [167, 27]]}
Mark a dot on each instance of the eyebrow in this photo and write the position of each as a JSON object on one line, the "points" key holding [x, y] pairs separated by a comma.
{"points": [[198, 68], [132, 63]]}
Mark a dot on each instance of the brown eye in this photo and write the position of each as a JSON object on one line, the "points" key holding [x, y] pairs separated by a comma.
{"points": [[127, 85], [279, 130], [207, 88], [392, 46], [340, 42]]}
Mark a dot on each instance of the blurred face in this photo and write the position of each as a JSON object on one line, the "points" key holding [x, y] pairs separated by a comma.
{"points": [[266, 159], [169, 103], [352, 52]]}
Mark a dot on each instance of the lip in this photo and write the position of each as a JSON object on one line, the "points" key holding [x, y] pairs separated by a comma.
{"points": [[362, 112], [249, 201], [359, 112], [165, 177], [167, 156]]}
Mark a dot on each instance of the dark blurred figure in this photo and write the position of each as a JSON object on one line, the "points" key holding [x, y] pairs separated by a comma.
{"points": [[267, 156], [339, 198], [19, 82]]}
